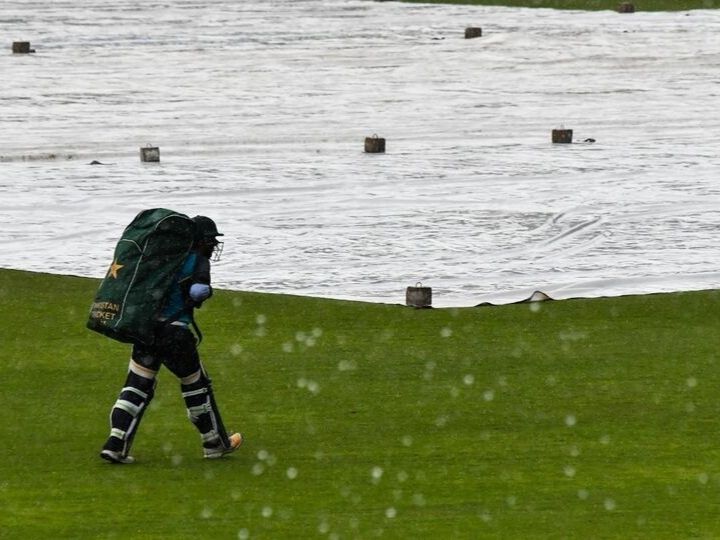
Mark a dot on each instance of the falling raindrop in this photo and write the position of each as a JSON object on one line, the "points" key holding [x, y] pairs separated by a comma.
{"points": [[288, 347], [206, 513], [535, 307], [292, 473], [243, 534], [177, 459], [418, 499], [692, 382], [570, 420], [609, 505], [402, 476], [261, 331], [347, 365], [258, 469], [605, 439], [454, 392], [261, 319], [313, 386], [390, 513], [407, 440], [262, 455], [569, 471], [323, 527], [703, 478], [468, 379], [446, 332], [267, 512], [236, 349], [376, 474], [583, 494], [488, 395], [317, 332]]}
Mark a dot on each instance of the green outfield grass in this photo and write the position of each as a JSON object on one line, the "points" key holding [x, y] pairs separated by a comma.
{"points": [[572, 419], [640, 5]]}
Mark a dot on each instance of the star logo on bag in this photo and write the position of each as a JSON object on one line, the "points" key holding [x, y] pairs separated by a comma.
{"points": [[114, 267]]}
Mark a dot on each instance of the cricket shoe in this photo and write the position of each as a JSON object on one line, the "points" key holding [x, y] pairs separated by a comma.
{"points": [[214, 452], [116, 457]]}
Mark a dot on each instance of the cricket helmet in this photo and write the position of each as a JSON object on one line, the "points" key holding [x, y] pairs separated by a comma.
{"points": [[205, 233], [205, 228]]}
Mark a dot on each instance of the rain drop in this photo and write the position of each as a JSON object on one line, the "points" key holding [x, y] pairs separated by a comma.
{"points": [[609, 505], [488, 395], [236, 349], [390, 513], [583, 494], [292, 473], [243, 534], [569, 471], [468, 379], [267, 512], [258, 469], [206, 513], [446, 332], [376, 474], [347, 365], [261, 319], [691, 382], [570, 420], [407, 440]]}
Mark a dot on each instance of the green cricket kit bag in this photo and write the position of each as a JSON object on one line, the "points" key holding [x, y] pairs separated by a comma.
{"points": [[147, 257]]}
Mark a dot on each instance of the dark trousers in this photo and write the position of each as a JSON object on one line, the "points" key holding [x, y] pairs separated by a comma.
{"points": [[175, 347]]}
